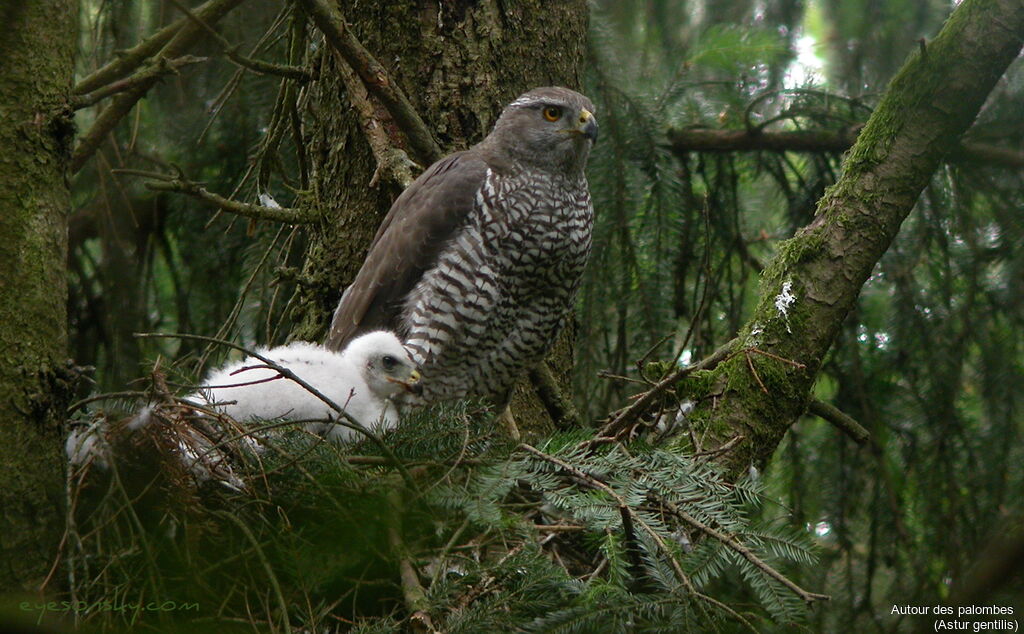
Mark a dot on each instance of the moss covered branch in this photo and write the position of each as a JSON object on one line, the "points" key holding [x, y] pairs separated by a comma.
{"points": [[814, 281]]}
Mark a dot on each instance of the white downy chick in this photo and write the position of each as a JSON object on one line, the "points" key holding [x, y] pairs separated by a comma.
{"points": [[361, 379]]}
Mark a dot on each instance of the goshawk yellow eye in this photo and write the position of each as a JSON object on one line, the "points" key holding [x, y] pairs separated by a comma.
{"points": [[552, 113]]}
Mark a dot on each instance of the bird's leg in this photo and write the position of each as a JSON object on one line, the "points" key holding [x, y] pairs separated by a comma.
{"points": [[506, 420], [559, 407]]}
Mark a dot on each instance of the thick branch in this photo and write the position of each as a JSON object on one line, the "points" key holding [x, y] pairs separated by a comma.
{"points": [[329, 20], [814, 281], [179, 42], [393, 165], [829, 141]]}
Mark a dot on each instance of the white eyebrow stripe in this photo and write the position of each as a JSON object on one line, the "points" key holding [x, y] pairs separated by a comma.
{"points": [[525, 101]]}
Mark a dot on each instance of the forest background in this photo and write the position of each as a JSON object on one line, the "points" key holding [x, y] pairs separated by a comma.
{"points": [[219, 169]]}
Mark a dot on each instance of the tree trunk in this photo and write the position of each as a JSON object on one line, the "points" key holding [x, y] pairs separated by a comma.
{"points": [[815, 279], [36, 55], [459, 64]]}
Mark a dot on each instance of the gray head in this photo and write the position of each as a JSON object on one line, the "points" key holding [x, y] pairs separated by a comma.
{"points": [[550, 128], [384, 363]]}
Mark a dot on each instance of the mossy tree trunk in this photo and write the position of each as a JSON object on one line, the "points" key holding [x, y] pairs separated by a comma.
{"points": [[459, 63], [36, 56], [807, 291]]}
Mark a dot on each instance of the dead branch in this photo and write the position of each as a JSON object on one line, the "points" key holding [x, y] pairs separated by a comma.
{"points": [[626, 417], [393, 164], [125, 62], [376, 78], [181, 185]]}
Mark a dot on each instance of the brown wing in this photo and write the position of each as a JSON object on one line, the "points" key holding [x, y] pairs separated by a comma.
{"points": [[417, 227]]}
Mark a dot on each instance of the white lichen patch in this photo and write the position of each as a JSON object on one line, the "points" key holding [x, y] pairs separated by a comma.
{"points": [[268, 201], [784, 301]]}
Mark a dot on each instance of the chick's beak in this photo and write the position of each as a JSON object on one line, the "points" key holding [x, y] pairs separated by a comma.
{"points": [[413, 384], [587, 125]]}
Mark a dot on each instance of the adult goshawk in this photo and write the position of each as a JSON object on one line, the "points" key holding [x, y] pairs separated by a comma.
{"points": [[478, 261]]}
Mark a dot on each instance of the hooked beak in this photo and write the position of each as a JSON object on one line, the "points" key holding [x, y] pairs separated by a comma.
{"points": [[587, 125]]}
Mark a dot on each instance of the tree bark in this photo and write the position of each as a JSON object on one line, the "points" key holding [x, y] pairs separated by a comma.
{"points": [[459, 64], [815, 279], [36, 132]]}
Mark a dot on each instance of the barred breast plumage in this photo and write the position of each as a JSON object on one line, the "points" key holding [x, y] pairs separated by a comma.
{"points": [[477, 263]]}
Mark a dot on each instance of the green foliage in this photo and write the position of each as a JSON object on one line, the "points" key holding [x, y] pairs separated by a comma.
{"points": [[931, 361], [559, 540]]}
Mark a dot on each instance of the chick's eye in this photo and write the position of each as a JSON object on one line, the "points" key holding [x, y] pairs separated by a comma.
{"points": [[552, 113], [389, 362]]}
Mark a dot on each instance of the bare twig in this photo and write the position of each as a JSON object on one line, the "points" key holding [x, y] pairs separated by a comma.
{"points": [[271, 577], [750, 364], [376, 78], [840, 419], [231, 50]]}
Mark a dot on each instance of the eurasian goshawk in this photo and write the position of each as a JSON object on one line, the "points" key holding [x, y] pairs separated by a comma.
{"points": [[478, 261]]}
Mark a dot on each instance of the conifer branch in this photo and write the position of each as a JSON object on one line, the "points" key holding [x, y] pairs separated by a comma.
{"points": [[747, 554]]}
